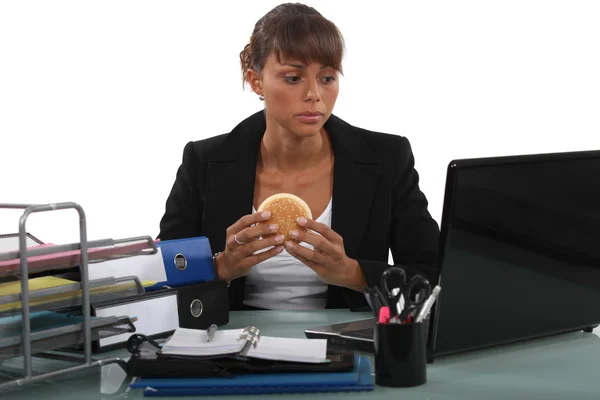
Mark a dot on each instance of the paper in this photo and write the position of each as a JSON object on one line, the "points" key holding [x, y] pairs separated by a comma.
{"points": [[73, 296], [145, 267], [46, 282], [193, 342], [154, 315]]}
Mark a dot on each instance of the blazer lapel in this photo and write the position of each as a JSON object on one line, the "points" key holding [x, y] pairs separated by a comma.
{"points": [[230, 179], [355, 179], [231, 174]]}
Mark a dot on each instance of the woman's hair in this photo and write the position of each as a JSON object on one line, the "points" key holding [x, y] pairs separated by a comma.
{"points": [[297, 31]]}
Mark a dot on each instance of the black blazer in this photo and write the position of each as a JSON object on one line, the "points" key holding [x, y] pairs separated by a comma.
{"points": [[377, 203]]}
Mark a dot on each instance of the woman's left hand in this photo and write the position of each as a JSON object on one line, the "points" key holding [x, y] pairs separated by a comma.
{"points": [[328, 259]]}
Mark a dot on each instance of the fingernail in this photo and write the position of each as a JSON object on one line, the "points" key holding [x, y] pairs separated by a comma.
{"points": [[273, 227], [301, 220], [278, 249], [265, 214], [294, 234], [279, 238], [289, 245]]}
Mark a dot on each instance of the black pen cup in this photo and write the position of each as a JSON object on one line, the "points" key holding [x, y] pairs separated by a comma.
{"points": [[401, 354]]}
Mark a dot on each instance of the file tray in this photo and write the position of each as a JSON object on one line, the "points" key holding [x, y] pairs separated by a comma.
{"points": [[51, 330], [10, 242], [68, 295], [49, 256]]}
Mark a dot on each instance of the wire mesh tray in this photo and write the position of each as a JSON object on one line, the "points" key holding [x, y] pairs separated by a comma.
{"points": [[10, 242], [50, 257], [50, 331], [70, 295]]}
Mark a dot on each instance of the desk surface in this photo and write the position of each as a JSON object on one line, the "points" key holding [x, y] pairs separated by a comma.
{"points": [[560, 367]]}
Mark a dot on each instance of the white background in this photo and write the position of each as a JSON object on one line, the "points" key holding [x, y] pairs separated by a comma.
{"points": [[97, 99]]}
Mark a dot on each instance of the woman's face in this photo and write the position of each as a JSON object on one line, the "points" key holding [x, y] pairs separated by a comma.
{"points": [[298, 97]]}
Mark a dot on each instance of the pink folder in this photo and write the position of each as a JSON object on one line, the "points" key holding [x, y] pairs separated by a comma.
{"points": [[72, 258]]}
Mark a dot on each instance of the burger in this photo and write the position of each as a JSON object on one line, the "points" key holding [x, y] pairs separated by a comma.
{"points": [[285, 209]]}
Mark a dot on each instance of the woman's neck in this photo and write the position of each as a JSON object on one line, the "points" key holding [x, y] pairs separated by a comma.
{"points": [[288, 153]]}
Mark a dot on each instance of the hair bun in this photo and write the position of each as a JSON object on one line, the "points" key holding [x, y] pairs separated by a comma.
{"points": [[285, 209]]}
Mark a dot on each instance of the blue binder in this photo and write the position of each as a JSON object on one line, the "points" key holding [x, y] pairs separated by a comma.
{"points": [[186, 261], [359, 379]]}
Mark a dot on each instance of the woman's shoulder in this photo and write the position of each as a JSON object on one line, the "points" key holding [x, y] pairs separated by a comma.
{"points": [[226, 145], [378, 141], [208, 145]]}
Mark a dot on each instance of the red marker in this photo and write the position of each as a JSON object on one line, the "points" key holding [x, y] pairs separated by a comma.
{"points": [[384, 315]]}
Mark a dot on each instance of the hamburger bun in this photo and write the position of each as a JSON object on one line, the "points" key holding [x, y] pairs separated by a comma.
{"points": [[285, 208]]}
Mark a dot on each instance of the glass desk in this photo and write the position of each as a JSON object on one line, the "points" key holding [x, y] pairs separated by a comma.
{"points": [[560, 367]]}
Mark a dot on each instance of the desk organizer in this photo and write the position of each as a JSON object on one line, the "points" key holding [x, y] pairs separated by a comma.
{"points": [[33, 322]]}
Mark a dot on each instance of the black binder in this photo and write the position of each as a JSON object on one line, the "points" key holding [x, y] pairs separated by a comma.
{"points": [[147, 361], [203, 304]]}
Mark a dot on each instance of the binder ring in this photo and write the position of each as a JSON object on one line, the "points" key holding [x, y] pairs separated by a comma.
{"points": [[251, 335], [180, 261], [196, 308]]}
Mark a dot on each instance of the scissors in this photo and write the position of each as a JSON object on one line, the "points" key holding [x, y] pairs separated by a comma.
{"points": [[396, 287]]}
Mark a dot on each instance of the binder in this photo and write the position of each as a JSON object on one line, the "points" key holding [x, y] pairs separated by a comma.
{"points": [[359, 379], [159, 313], [186, 261], [153, 313], [244, 344], [146, 361], [176, 263], [203, 304]]}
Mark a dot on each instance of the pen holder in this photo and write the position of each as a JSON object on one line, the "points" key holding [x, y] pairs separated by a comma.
{"points": [[400, 354]]}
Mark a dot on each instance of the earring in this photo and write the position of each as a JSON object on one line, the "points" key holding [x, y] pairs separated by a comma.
{"points": [[261, 98]]}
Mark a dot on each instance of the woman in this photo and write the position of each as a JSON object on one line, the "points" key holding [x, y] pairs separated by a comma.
{"points": [[361, 186]]}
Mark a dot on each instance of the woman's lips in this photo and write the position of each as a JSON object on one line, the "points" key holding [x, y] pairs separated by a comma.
{"points": [[310, 118]]}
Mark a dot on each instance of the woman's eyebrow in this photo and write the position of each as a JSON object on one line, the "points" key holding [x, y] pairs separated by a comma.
{"points": [[302, 66]]}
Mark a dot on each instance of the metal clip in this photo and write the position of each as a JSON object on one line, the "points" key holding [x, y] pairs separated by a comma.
{"points": [[251, 335]]}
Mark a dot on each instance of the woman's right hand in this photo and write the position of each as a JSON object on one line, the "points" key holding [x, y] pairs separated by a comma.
{"points": [[242, 241]]}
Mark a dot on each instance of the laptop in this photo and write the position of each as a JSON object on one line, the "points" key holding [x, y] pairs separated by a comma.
{"points": [[519, 254]]}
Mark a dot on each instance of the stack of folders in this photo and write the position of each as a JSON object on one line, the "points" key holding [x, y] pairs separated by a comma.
{"points": [[242, 361], [64, 297], [184, 292], [55, 284]]}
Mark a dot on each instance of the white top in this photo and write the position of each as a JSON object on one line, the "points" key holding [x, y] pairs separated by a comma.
{"points": [[283, 282]]}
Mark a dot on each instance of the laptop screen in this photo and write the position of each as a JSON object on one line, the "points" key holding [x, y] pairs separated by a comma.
{"points": [[520, 250]]}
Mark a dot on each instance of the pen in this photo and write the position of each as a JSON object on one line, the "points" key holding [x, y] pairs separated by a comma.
{"points": [[368, 297], [373, 300], [210, 332], [382, 298], [428, 304]]}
